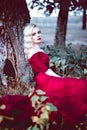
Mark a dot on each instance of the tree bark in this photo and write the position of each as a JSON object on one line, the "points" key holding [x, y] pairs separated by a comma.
{"points": [[14, 14], [84, 19], [61, 27]]}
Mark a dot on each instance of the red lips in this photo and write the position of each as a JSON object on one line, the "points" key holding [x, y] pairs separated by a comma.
{"points": [[39, 39]]}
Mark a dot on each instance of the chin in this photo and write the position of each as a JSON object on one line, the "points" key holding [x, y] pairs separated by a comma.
{"points": [[37, 42]]}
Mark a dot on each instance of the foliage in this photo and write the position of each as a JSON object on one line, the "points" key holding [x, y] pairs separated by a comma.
{"points": [[11, 11], [68, 62], [42, 108], [65, 62], [15, 86], [42, 111], [48, 6]]}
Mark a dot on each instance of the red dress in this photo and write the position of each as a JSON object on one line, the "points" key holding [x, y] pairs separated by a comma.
{"points": [[69, 95], [18, 112]]}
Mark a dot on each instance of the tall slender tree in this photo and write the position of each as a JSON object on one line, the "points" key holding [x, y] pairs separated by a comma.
{"points": [[61, 27], [62, 18], [83, 4]]}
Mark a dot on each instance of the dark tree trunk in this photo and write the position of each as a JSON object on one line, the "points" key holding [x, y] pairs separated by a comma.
{"points": [[84, 19], [61, 28], [14, 14], [83, 4]]}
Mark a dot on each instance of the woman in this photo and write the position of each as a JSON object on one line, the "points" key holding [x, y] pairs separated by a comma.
{"points": [[69, 95]]}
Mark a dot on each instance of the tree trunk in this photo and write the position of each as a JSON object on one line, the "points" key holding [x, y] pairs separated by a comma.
{"points": [[61, 28], [84, 19], [14, 14]]}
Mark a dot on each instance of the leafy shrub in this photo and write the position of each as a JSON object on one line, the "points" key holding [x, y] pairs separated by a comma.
{"points": [[68, 62], [65, 62], [42, 111]]}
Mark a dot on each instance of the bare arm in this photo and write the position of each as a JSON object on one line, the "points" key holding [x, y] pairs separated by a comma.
{"points": [[51, 73]]}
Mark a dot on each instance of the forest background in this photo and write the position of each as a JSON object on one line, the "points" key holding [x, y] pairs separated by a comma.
{"points": [[15, 73]]}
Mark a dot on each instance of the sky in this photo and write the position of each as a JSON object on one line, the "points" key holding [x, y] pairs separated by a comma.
{"points": [[35, 13]]}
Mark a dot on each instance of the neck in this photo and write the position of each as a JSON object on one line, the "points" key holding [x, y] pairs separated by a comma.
{"points": [[36, 46]]}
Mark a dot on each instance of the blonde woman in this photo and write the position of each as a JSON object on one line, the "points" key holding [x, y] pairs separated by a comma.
{"points": [[69, 95]]}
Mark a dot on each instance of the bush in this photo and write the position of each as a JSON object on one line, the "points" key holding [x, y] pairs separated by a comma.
{"points": [[65, 62], [68, 62]]}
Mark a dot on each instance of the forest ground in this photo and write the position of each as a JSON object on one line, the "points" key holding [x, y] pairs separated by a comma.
{"points": [[75, 34]]}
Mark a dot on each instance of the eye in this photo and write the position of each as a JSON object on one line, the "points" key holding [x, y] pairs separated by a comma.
{"points": [[36, 33], [33, 34], [39, 32]]}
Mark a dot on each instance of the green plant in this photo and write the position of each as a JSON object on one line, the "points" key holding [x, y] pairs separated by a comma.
{"points": [[42, 111], [41, 114], [65, 62], [68, 62]]}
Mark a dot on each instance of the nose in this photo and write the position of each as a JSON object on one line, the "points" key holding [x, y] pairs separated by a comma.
{"points": [[38, 34]]}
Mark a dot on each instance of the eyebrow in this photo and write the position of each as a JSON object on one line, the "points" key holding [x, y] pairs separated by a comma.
{"points": [[36, 32]]}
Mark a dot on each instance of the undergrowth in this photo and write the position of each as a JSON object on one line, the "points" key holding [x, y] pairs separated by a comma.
{"points": [[65, 62]]}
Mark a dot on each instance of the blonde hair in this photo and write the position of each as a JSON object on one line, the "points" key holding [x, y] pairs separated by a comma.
{"points": [[27, 32]]}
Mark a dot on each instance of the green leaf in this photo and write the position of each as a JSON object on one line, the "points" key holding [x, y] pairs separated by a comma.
{"points": [[43, 98], [34, 100], [44, 116], [41, 127], [51, 64], [58, 62], [52, 107], [40, 92], [85, 71], [1, 119], [86, 63], [63, 67], [63, 61], [35, 128]]}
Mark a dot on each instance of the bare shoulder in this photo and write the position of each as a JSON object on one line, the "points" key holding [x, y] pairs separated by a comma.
{"points": [[32, 51]]}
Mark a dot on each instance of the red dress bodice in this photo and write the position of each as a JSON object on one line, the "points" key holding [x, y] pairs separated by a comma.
{"points": [[39, 62]]}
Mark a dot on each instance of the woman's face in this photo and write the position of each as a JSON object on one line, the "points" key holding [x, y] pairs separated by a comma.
{"points": [[36, 35]]}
